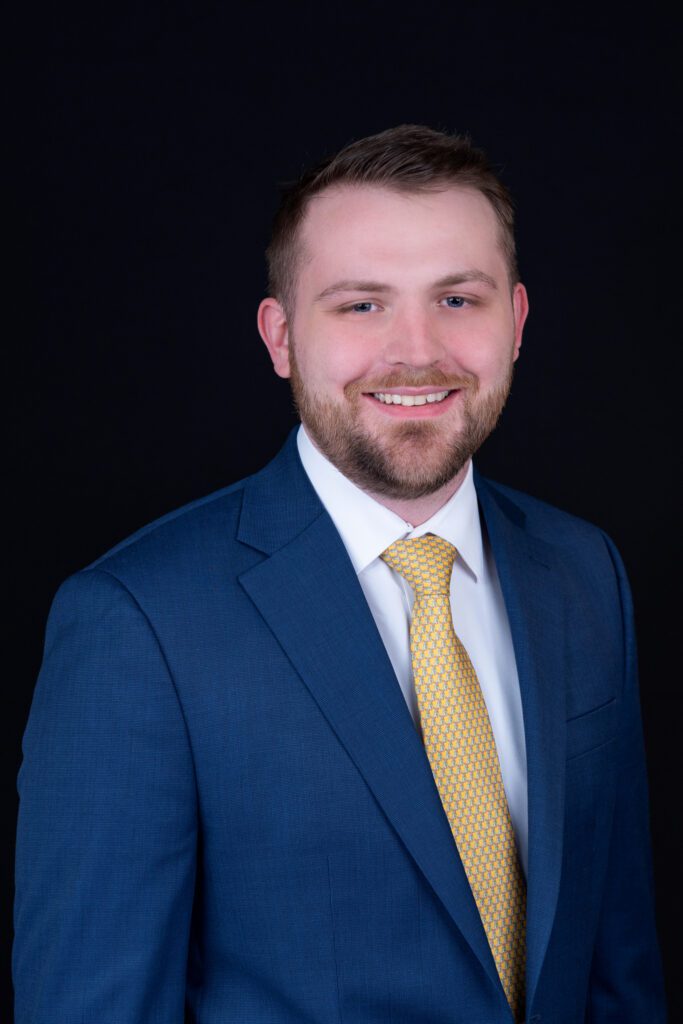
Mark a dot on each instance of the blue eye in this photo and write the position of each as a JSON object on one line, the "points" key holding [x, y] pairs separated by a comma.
{"points": [[361, 307], [455, 301]]}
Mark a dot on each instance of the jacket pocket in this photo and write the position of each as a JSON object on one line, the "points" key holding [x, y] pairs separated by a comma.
{"points": [[592, 729]]}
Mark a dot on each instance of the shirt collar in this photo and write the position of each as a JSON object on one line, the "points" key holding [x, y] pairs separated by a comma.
{"points": [[368, 528]]}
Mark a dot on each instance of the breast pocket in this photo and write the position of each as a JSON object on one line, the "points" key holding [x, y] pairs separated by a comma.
{"points": [[592, 729]]}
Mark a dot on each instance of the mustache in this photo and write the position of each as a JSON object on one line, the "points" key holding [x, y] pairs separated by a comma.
{"points": [[410, 379]]}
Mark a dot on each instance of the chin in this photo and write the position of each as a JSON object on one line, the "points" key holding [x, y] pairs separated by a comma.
{"points": [[413, 472]]}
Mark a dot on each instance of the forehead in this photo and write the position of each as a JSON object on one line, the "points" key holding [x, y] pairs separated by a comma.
{"points": [[362, 224]]}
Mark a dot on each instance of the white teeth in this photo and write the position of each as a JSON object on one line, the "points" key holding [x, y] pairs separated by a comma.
{"points": [[435, 396]]}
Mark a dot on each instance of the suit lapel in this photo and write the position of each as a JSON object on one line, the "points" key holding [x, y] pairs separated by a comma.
{"points": [[530, 574], [308, 594]]}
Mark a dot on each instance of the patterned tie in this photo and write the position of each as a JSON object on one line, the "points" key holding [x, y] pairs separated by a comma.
{"points": [[462, 753]]}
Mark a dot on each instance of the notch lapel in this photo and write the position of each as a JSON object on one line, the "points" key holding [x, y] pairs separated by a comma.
{"points": [[307, 592], [530, 575]]}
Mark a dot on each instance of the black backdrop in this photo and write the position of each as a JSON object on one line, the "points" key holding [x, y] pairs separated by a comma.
{"points": [[148, 147]]}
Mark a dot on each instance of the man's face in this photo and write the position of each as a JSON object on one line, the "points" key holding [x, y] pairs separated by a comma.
{"points": [[403, 336]]}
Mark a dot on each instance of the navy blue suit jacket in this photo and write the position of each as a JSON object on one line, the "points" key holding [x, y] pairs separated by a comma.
{"points": [[228, 817]]}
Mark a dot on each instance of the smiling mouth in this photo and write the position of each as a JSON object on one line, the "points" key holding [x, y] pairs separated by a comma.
{"points": [[392, 399]]}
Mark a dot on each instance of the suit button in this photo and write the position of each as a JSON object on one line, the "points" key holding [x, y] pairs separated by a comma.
{"points": [[536, 1019]]}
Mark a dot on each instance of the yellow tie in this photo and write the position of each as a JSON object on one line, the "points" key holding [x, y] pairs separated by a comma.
{"points": [[462, 753]]}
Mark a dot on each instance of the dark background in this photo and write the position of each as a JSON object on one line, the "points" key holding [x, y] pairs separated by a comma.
{"points": [[145, 147]]}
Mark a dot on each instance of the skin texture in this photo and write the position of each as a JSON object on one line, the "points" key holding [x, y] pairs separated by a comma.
{"points": [[401, 293]]}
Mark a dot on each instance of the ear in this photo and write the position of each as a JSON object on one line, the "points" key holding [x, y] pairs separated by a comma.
{"points": [[273, 328], [520, 310]]}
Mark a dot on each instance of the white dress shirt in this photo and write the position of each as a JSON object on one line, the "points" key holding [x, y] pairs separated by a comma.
{"points": [[479, 616]]}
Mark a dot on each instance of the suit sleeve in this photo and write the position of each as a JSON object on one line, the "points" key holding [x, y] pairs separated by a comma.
{"points": [[626, 981], [107, 822]]}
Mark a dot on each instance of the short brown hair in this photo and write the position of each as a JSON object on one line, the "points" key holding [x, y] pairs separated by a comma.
{"points": [[408, 158]]}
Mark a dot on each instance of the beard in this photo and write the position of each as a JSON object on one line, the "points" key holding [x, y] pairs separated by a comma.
{"points": [[406, 460]]}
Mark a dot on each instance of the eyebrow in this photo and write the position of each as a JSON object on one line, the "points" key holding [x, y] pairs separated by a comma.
{"points": [[451, 280]]}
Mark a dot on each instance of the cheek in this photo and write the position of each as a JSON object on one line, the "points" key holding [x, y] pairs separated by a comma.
{"points": [[332, 362], [323, 372], [486, 352]]}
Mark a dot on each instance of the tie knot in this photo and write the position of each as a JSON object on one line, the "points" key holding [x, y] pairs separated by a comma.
{"points": [[425, 562]]}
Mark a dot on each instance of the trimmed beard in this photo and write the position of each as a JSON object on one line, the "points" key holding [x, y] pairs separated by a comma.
{"points": [[410, 460]]}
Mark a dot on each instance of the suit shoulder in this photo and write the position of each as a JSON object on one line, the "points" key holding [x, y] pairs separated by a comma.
{"points": [[548, 522], [191, 533], [197, 547]]}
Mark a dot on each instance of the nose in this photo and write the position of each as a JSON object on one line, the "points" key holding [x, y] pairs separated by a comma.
{"points": [[413, 341]]}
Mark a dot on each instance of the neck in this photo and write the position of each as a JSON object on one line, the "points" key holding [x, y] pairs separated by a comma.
{"points": [[418, 510]]}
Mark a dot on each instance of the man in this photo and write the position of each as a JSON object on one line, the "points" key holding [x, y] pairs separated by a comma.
{"points": [[356, 739]]}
